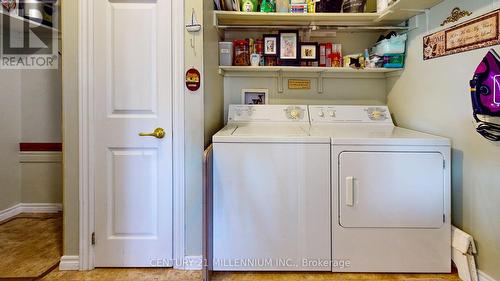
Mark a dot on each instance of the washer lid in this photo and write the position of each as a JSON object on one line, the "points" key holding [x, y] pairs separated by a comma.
{"points": [[281, 133], [271, 130]]}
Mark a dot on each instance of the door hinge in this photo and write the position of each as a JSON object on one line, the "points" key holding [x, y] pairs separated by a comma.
{"points": [[93, 238], [444, 164], [444, 218]]}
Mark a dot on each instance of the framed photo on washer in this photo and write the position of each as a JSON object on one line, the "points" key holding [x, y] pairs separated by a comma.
{"points": [[254, 96], [289, 47]]}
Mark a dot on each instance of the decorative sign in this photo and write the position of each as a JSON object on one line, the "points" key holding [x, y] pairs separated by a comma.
{"points": [[193, 79], [296, 84], [473, 34]]}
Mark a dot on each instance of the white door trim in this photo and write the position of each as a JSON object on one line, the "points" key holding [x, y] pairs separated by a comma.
{"points": [[86, 133], [85, 98], [178, 136]]}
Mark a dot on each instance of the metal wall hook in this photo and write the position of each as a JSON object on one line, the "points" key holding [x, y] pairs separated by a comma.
{"points": [[193, 26]]}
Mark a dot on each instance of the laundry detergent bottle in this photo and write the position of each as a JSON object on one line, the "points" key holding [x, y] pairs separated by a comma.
{"points": [[249, 5]]}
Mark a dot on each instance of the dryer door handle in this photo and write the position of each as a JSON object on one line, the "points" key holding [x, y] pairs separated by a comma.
{"points": [[349, 191]]}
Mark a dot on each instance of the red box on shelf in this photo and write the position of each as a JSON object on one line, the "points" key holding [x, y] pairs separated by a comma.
{"points": [[325, 54]]}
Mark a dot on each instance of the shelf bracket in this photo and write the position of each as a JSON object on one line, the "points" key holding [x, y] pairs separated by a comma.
{"points": [[280, 81], [320, 82], [427, 12]]}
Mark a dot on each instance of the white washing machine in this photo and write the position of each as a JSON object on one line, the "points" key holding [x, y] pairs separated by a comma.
{"points": [[271, 192], [390, 192]]}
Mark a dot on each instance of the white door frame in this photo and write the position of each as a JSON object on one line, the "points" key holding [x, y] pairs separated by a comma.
{"points": [[86, 133]]}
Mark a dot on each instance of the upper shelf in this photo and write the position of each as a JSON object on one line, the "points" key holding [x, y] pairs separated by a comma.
{"points": [[403, 10], [397, 13]]}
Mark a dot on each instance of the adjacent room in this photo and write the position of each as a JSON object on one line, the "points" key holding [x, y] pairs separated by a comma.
{"points": [[250, 140]]}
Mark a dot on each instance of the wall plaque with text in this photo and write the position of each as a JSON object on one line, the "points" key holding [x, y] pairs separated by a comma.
{"points": [[299, 84], [476, 33]]}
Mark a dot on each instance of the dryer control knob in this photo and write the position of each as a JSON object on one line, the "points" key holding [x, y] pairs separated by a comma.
{"points": [[321, 114]]}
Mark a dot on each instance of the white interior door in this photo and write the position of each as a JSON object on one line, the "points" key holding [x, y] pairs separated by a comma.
{"points": [[133, 94]]}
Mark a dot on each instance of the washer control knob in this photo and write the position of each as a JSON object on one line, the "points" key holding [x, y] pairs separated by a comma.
{"points": [[332, 113], [321, 114], [295, 114], [376, 114]]}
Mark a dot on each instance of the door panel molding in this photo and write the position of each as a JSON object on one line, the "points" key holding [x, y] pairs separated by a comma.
{"points": [[87, 131]]}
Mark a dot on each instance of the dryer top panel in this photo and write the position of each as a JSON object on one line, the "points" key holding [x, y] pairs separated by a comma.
{"points": [[347, 114]]}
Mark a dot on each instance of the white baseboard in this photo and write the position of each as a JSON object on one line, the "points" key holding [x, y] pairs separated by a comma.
{"points": [[484, 277], [69, 263], [193, 262], [41, 207], [30, 208], [9, 213]]}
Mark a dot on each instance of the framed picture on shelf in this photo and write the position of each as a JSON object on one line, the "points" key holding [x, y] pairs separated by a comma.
{"points": [[270, 45], [289, 47], [254, 96], [309, 51]]}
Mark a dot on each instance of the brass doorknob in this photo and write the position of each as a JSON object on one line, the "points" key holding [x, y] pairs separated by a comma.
{"points": [[158, 133]]}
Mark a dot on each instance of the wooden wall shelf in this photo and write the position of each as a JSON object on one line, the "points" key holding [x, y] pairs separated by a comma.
{"points": [[301, 71], [394, 16]]}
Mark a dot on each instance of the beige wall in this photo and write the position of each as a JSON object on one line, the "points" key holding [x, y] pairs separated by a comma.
{"points": [[10, 122], [70, 125], [213, 96], [433, 96], [41, 181], [41, 105], [194, 132], [30, 111]]}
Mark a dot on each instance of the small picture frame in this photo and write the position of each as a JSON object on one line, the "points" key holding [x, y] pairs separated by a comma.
{"points": [[270, 45], [289, 47], [309, 51], [254, 96]]}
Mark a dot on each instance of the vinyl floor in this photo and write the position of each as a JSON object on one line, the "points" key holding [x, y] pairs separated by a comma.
{"points": [[30, 248]]}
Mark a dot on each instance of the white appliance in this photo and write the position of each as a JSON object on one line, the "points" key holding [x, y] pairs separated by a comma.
{"points": [[390, 192], [271, 192]]}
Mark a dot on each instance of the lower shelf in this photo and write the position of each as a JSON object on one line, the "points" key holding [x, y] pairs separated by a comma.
{"points": [[252, 70]]}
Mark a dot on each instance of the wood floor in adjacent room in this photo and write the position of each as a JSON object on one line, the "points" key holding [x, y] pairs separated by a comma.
{"points": [[30, 247]]}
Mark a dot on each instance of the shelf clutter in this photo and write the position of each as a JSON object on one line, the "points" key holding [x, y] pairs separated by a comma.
{"points": [[286, 51], [285, 47]]}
